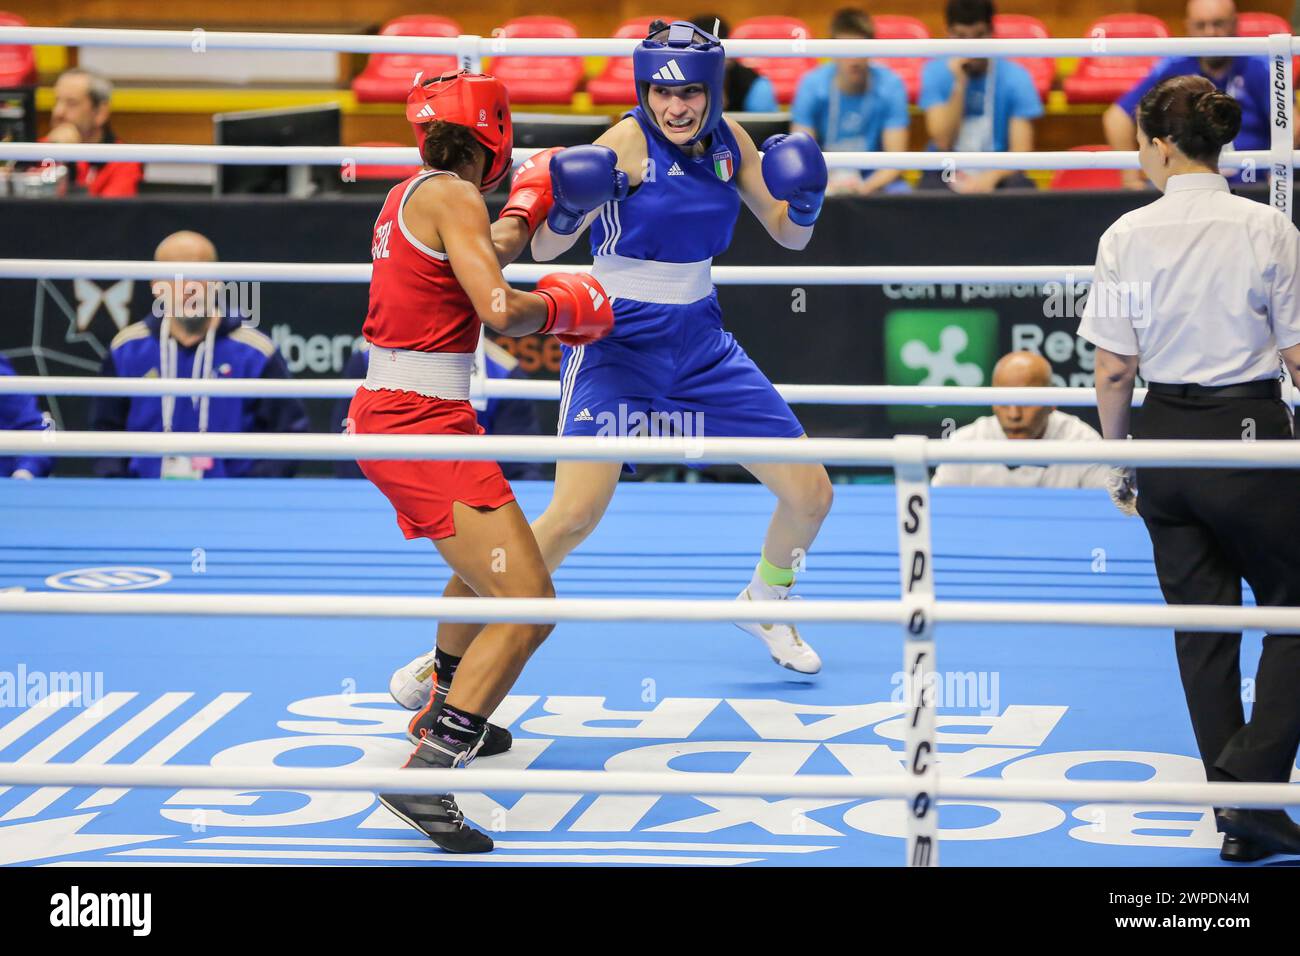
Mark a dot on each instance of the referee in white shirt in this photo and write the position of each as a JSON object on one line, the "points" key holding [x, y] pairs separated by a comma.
{"points": [[1200, 290]]}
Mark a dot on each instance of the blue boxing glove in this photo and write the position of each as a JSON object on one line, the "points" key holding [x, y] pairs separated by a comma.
{"points": [[583, 178], [794, 169]]}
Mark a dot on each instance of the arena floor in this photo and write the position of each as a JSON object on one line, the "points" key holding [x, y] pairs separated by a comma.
{"points": [[1016, 701]]}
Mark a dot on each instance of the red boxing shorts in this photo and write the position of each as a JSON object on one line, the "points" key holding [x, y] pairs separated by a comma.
{"points": [[424, 491]]}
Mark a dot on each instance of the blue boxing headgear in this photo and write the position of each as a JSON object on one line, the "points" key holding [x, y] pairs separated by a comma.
{"points": [[685, 55]]}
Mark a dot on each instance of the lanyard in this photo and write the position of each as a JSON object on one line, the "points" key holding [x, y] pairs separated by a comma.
{"points": [[169, 366], [833, 120]]}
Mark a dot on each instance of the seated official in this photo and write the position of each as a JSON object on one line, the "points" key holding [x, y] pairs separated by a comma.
{"points": [[502, 416], [854, 105], [174, 344], [978, 105], [1246, 79], [21, 413], [1015, 422], [83, 100]]}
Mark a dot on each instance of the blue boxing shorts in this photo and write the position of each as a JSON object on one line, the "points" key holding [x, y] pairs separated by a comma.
{"points": [[669, 371]]}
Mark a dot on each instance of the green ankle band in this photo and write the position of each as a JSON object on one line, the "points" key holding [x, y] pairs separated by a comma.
{"points": [[774, 576]]}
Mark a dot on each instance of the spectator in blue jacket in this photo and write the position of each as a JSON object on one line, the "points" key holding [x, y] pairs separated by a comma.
{"points": [[18, 413], [854, 105], [503, 416], [190, 337], [1244, 78], [977, 105]]}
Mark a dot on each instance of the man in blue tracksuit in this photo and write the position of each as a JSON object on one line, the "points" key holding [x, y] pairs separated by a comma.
{"points": [[20, 412], [188, 337], [226, 350]]}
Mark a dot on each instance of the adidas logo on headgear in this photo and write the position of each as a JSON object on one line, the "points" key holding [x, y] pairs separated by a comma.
{"points": [[670, 71], [425, 110]]}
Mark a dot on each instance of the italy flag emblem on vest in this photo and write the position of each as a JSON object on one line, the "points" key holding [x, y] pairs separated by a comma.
{"points": [[723, 166]]}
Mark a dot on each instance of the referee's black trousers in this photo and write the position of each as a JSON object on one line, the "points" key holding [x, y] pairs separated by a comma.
{"points": [[1210, 528]]}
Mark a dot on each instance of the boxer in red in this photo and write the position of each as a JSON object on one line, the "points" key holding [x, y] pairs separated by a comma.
{"points": [[436, 279]]}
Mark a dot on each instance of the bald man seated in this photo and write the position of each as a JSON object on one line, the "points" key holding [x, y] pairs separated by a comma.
{"points": [[1017, 422], [1247, 79], [191, 335]]}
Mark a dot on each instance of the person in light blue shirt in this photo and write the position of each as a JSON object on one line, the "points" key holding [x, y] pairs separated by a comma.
{"points": [[761, 97], [854, 105], [978, 105], [743, 89]]}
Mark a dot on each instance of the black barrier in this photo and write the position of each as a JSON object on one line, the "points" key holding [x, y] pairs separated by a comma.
{"points": [[894, 334]]}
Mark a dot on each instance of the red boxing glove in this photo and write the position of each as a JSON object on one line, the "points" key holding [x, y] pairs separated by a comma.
{"points": [[577, 308], [530, 191]]}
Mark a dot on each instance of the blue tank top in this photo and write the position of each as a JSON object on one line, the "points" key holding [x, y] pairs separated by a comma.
{"points": [[684, 212]]}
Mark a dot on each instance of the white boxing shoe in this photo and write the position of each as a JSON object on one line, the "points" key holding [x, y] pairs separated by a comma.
{"points": [[783, 641], [411, 684]]}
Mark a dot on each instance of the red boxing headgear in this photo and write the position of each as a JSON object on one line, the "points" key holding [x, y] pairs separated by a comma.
{"points": [[475, 101]]}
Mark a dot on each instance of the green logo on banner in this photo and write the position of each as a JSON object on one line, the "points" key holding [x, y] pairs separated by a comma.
{"points": [[939, 347]]}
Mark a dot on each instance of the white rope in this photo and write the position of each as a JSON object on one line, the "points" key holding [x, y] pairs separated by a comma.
{"points": [[223, 155], [481, 778], [1118, 159], [408, 156], [1201, 618], [201, 41], [537, 390], [829, 451], [314, 272]]}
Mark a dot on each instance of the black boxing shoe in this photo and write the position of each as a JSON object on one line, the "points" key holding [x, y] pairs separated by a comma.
{"points": [[497, 740], [437, 815], [1240, 850], [1269, 830]]}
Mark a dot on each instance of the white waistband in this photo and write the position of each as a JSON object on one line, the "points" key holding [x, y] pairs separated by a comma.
{"points": [[432, 374], [670, 283]]}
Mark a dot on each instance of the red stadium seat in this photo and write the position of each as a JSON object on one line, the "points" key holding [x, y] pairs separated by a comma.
{"points": [[387, 77], [396, 173], [1262, 25], [1104, 79], [1017, 26], [784, 72], [539, 79], [17, 63], [615, 85], [907, 68], [1088, 178]]}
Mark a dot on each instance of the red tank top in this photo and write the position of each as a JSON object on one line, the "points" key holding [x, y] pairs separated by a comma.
{"points": [[415, 301]]}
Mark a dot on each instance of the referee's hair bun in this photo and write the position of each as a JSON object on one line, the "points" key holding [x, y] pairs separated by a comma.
{"points": [[1190, 113], [1215, 118]]}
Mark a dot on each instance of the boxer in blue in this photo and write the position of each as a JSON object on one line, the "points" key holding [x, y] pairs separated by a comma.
{"points": [[661, 192]]}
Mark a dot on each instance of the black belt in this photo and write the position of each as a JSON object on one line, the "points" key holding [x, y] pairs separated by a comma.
{"points": [[1269, 388]]}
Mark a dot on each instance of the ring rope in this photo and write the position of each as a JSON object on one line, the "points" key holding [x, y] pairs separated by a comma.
{"points": [[202, 41], [481, 778], [353, 272], [1200, 618], [544, 391], [409, 156], [653, 450]]}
